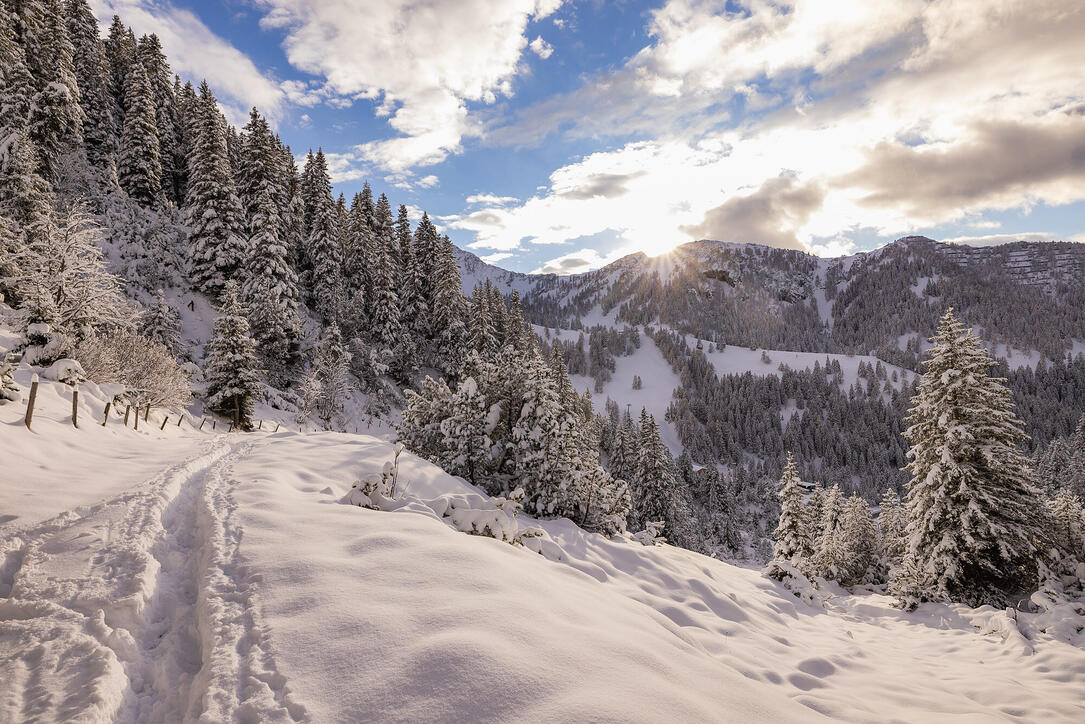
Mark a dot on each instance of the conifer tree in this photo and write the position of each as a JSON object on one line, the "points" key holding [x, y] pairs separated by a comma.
{"points": [[892, 522], [653, 486], [722, 512], [623, 459], [138, 168], [792, 537], [214, 211], [859, 542], [56, 118], [231, 368], [92, 78], [973, 508], [464, 430], [322, 243], [483, 332], [357, 253], [120, 50], [162, 324], [449, 311], [270, 291], [830, 558], [1068, 519], [384, 317], [167, 119]]}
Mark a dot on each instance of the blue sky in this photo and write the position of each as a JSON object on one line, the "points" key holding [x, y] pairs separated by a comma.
{"points": [[552, 135]]}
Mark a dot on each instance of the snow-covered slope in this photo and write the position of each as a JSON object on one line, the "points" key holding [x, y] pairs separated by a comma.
{"points": [[231, 584]]}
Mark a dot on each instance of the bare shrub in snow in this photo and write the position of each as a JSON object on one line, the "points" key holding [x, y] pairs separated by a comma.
{"points": [[148, 370]]}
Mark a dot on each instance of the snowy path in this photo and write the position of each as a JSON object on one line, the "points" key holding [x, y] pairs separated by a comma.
{"points": [[139, 609]]}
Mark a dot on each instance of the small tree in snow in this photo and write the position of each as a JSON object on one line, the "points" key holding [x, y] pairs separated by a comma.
{"points": [[791, 535], [162, 324], [9, 391], [859, 542], [233, 379]]}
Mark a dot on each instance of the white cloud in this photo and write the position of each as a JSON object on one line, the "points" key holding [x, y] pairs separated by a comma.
{"points": [[576, 262], [491, 199], [427, 182], [424, 64], [541, 48], [196, 53], [996, 239], [496, 257], [891, 115]]}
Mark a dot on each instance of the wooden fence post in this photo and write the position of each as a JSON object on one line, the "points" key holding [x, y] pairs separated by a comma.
{"points": [[147, 414], [137, 418], [75, 407], [105, 417], [127, 409], [231, 428], [260, 426], [31, 401], [277, 426], [180, 420], [164, 421], [214, 424], [201, 424]]}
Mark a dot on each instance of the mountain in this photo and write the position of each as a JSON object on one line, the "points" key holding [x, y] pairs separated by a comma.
{"points": [[738, 338]]}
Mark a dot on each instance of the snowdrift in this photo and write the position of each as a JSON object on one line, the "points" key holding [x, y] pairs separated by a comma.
{"points": [[233, 583]]}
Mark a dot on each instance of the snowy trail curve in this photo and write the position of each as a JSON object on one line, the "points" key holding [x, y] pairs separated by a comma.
{"points": [[139, 609]]}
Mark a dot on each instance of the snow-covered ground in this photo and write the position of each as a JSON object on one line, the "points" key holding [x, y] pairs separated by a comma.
{"points": [[658, 382], [225, 580], [733, 359]]}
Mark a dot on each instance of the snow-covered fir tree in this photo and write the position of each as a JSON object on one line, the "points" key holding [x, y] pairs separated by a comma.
{"points": [[231, 368], [384, 313], [139, 169], [216, 241], [974, 512], [830, 558], [322, 244], [162, 324], [792, 537], [892, 522], [171, 152], [859, 540], [92, 78]]}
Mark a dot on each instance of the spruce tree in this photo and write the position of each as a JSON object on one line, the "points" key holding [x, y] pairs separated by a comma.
{"points": [[792, 536], [449, 311], [384, 317], [231, 367], [892, 521], [162, 324], [830, 558], [120, 51], [464, 430], [138, 168], [270, 291], [322, 243], [653, 486], [167, 119], [92, 78], [56, 118], [217, 247], [973, 508], [860, 542], [1068, 521]]}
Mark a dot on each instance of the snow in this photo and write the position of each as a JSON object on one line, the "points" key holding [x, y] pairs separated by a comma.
{"points": [[658, 383], [734, 359], [232, 583]]}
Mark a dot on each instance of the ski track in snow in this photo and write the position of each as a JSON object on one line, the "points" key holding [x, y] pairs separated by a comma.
{"points": [[139, 609]]}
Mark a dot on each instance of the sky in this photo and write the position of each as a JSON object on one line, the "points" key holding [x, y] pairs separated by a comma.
{"points": [[556, 136]]}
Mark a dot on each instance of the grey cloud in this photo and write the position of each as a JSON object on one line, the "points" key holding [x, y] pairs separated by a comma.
{"points": [[607, 185], [1001, 157], [767, 216], [564, 265]]}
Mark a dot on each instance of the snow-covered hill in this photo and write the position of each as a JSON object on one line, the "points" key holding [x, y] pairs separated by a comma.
{"points": [[195, 574]]}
